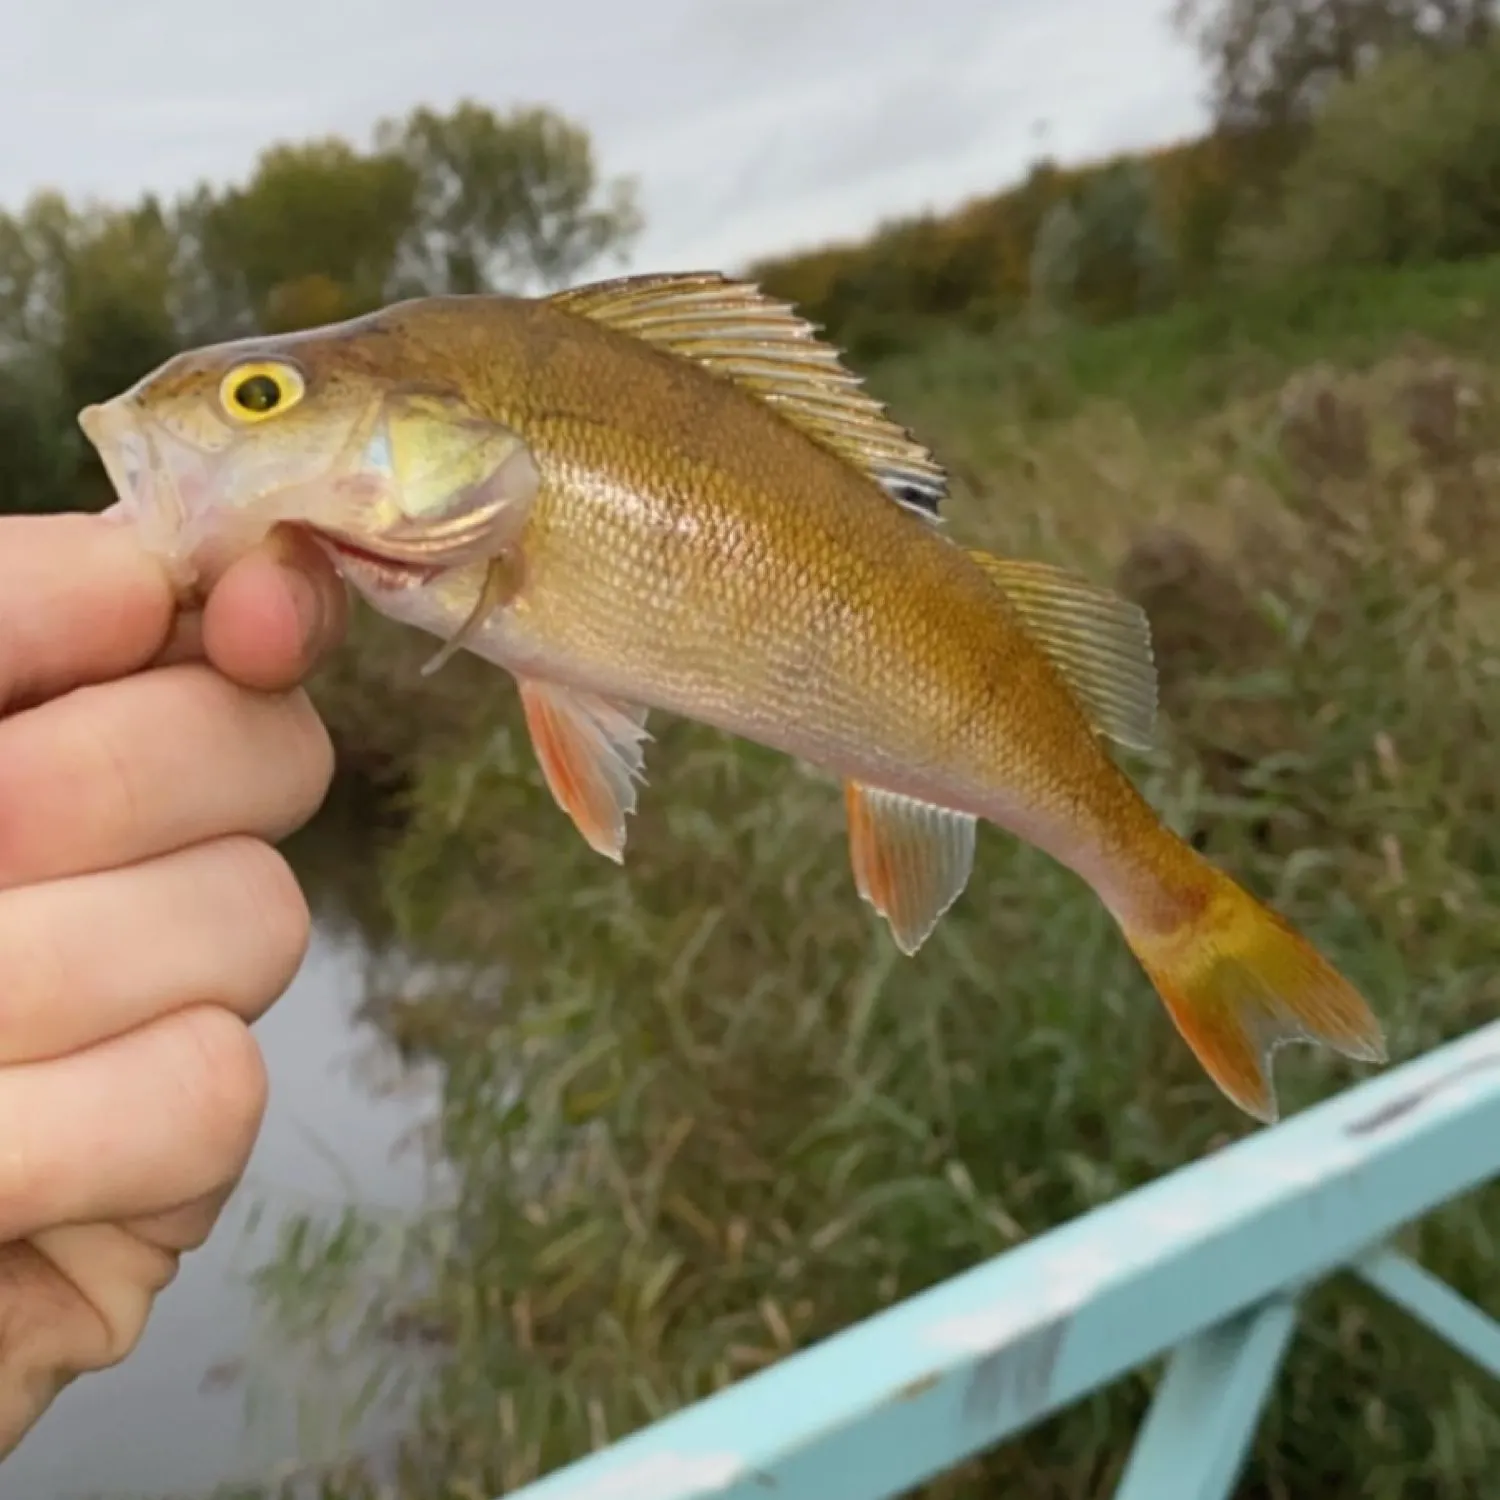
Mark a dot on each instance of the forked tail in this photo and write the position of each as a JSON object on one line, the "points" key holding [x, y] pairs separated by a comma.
{"points": [[1239, 981]]}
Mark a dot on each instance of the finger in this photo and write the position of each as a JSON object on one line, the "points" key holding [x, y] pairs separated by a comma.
{"points": [[86, 958], [131, 1127], [82, 603], [71, 1299], [127, 770], [186, 1227], [274, 613]]}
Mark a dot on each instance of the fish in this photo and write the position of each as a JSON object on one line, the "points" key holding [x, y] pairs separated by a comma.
{"points": [[670, 493]]}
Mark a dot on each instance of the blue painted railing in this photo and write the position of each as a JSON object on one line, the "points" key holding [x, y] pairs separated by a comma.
{"points": [[1207, 1264]]}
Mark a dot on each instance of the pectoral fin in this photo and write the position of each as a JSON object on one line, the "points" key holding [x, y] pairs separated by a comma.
{"points": [[911, 859], [591, 751]]}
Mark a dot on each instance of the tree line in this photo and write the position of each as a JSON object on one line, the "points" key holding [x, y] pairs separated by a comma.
{"points": [[1345, 132]]}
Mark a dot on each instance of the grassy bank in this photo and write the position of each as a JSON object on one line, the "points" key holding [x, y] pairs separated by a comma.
{"points": [[716, 1116]]}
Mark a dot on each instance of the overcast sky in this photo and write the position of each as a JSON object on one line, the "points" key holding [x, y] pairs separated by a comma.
{"points": [[752, 125]]}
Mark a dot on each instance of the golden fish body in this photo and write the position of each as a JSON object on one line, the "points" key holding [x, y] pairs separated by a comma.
{"points": [[673, 569], [665, 493]]}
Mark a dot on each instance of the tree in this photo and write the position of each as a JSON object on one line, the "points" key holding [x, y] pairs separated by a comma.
{"points": [[1102, 250], [504, 201], [115, 319], [34, 251], [1272, 62], [37, 455], [463, 202], [318, 212]]}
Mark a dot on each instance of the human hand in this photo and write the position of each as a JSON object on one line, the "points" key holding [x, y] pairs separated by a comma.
{"points": [[145, 918]]}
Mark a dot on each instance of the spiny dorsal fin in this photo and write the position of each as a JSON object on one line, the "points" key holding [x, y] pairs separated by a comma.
{"points": [[737, 331], [1100, 643]]}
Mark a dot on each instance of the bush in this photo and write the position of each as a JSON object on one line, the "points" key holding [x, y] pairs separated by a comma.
{"points": [[1402, 167], [1102, 251]]}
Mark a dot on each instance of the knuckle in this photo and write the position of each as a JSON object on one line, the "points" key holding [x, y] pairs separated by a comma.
{"points": [[225, 1088], [36, 1301]]}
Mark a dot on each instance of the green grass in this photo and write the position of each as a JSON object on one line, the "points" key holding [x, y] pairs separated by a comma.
{"points": [[717, 1116], [1189, 360]]}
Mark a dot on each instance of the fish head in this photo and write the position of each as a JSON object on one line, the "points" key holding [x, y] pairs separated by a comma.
{"points": [[342, 431]]}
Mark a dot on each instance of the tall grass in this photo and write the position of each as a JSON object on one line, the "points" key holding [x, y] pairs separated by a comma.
{"points": [[716, 1116]]}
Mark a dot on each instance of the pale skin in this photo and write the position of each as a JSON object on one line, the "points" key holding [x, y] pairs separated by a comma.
{"points": [[149, 762]]}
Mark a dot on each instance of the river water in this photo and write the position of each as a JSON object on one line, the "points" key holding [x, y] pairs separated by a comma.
{"points": [[189, 1409]]}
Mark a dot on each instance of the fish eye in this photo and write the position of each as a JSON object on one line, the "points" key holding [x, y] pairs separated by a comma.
{"points": [[251, 393]]}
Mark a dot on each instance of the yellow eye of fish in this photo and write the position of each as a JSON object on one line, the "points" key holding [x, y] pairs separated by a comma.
{"points": [[251, 393]]}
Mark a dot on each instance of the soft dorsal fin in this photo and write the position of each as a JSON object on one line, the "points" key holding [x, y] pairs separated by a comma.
{"points": [[1099, 641], [737, 331]]}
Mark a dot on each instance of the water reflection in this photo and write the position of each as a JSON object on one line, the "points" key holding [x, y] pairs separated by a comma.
{"points": [[345, 1125]]}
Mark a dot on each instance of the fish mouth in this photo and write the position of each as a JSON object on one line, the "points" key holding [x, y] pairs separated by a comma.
{"points": [[172, 491], [370, 569], [162, 483], [169, 491]]}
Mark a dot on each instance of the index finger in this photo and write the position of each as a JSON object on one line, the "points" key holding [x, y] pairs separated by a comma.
{"points": [[80, 602]]}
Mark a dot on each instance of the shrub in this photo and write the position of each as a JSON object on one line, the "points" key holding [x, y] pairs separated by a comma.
{"points": [[1402, 167]]}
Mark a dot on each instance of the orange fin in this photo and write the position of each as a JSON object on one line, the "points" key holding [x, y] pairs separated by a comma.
{"points": [[1239, 982], [591, 751], [911, 859]]}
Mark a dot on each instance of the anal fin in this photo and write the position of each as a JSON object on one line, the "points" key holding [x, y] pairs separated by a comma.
{"points": [[911, 859], [591, 751]]}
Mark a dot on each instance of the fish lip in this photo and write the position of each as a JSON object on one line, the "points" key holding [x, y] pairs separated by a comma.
{"points": [[118, 431], [147, 495], [372, 567]]}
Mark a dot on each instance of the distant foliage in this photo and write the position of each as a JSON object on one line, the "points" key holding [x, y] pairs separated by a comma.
{"points": [[1056, 238], [1273, 62], [36, 462], [1103, 251], [975, 267], [1402, 167], [504, 201]]}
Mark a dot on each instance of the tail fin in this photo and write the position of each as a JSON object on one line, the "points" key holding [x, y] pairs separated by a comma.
{"points": [[1239, 981]]}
